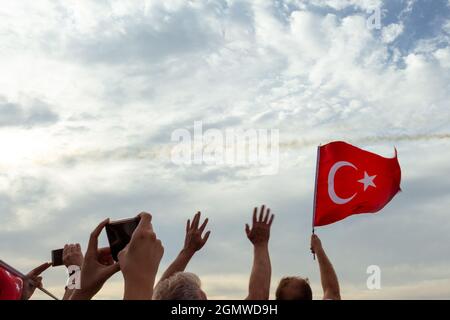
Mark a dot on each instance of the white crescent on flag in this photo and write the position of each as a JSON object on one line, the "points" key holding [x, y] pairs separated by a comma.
{"points": [[331, 191]]}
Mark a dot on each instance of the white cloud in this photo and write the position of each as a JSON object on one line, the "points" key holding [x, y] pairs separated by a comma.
{"points": [[443, 56], [447, 26], [342, 4], [391, 32]]}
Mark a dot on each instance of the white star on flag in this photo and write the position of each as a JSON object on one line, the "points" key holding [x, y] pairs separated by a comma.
{"points": [[368, 181]]}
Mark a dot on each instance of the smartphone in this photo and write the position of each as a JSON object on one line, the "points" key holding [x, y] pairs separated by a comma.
{"points": [[57, 257], [119, 234]]}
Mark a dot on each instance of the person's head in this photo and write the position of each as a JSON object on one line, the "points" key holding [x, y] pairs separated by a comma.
{"points": [[180, 286], [294, 288]]}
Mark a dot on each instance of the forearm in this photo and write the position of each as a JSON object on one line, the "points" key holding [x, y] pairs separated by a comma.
{"points": [[138, 290], [259, 285], [67, 294], [329, 279], [78, 294], [179, 264]]}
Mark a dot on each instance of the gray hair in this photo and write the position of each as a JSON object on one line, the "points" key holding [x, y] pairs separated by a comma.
{"points": [[180, 286]]}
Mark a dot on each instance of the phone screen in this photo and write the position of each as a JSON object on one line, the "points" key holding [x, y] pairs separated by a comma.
{"points": [[57, 257], [119, 234]]}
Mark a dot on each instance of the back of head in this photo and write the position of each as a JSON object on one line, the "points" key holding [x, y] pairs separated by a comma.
{"points": [[180, 286], [294, 288]]}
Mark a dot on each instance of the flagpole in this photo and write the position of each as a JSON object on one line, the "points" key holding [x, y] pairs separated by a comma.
{"points": [[315, 193]]}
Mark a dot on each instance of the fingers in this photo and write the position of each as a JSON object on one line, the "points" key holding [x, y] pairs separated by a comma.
{"points": [[203, 226], [266, 216], [38, 282], [144, 226], [68, 251], [263, 217], [104, 251], [33, 282], [105, 257], [261, 213], [195, 223], [206, 237], [196, 220], [38, 270], [71, 252], [146, 222], [315, 243], [144, 230], [107, 260], [93, 240], [194, 226], [271, 219], [247, 229]]}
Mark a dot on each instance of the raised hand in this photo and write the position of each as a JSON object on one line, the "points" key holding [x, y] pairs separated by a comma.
{"points": [[259, 234], [72, 256], [139, 260], [194, 240], [98, 266], [316, 244], [33, 280]]}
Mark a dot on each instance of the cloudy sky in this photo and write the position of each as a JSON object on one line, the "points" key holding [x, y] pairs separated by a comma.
{"points": [[91, 91]]}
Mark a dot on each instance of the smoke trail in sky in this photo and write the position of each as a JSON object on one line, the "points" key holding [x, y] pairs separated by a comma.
{"points": [[303, 143], [161, 153]]}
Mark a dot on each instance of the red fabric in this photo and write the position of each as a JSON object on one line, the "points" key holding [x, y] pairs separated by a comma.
{"points": [[363, 182], [10, 286]]}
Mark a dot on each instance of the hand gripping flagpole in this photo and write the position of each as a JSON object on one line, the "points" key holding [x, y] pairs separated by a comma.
{"points": [[19, 274], [315, 194]]}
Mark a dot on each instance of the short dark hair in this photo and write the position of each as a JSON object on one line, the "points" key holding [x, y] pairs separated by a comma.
{"points": [[305, 292]]}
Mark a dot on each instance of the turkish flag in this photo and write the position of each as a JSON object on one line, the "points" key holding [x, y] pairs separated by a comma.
{"points": [[10, 286], [352, 181]]}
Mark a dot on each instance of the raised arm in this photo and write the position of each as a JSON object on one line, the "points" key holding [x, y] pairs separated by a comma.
{"points": [[139, 261], [193, 242], [72, 256], [259, 234], [329, 279]]}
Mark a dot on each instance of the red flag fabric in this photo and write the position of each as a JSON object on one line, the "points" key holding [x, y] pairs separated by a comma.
{"points": [[352, 181], [10, 286]]}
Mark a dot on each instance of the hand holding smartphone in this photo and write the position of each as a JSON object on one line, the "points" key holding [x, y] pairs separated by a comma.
{"points": [[119, 234]]}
